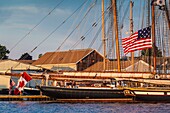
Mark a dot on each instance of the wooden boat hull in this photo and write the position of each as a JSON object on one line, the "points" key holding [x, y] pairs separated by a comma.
{"points": [[151, 95], [78, 93]]}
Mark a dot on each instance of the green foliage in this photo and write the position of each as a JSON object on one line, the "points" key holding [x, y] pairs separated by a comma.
{"points": [[25, 56], [3, 52], [40, 55]]}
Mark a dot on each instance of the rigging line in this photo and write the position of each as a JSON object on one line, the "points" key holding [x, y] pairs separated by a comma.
{"points": [[93, 25], [139, 14], [76, 26], [78, 41], [83, 37], [97, 34], [143, 13], [31, 31], [77, 35], [58, 27], [121, 5], [123, 18], [36, 25], [95, 37], [76, 19], [72, 31]]}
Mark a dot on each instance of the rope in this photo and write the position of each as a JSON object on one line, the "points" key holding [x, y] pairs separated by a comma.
{"points": [[36, 25], [90, 30], [58, 27], [56, 30], [76, 27]]}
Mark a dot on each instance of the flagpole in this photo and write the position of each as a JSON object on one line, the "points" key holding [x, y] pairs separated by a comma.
{"points": [[116, 35], [131, 31], [167, 15], [103, 37], [153, 39]]}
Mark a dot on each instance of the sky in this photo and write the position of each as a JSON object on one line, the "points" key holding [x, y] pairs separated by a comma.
{"points": [[19, 17]]}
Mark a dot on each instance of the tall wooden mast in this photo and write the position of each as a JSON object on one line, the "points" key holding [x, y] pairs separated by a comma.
{"points": [[153, 38], [116, 34], [103, 37], [131, 31], [167, 14]]}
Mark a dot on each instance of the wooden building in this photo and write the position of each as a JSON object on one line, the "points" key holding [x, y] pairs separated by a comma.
{"points": [[12, 66], [126, 66], [110, 66], [71, 60]]}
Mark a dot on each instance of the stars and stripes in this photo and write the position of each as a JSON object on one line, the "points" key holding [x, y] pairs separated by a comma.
{"points": [[138, 41], [12, 84]]}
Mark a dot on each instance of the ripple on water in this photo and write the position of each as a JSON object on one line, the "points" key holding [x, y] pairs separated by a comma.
{"points": [[36, 107]]}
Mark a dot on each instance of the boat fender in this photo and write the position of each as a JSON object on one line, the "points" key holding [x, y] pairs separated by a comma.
{"points": [[157, 76], [126, 92]]}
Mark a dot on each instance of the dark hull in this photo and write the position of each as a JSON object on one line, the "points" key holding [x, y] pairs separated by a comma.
{"points": [[152, 98], [152, 95], [4, 91], [31, 92], [78, 93]]}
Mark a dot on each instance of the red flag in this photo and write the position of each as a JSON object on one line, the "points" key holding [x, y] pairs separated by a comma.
{"points": [[16, 91], [26, 76], [138, 41], [22, 82]]}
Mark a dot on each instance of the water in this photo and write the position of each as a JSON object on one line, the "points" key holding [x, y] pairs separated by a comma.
{"points": [[37, 107]]}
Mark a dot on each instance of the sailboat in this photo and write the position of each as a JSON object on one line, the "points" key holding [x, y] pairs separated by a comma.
{"points": [[151, 94], [107, 91]]}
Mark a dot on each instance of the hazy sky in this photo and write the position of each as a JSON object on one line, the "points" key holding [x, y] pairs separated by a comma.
{"points": [[18, 17]]}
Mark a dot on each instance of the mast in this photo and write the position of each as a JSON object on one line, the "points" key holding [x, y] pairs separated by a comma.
{"points": [[131, 31], [116, 34], [153, 38], [103, 37], [167, 14]]}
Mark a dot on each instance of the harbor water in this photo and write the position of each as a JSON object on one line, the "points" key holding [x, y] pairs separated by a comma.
{"points": [[41, 107]]}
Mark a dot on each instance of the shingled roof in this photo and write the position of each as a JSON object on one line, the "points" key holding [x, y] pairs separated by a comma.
{"points": [[61, 57], [110, 66]]}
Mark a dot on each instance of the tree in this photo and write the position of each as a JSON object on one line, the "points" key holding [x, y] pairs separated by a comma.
{"points": [[149, 52], [3, 52], [25, 56], [40, 55]]}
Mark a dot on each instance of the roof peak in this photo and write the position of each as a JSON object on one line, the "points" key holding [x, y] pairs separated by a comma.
{"points": [[72, 50]]}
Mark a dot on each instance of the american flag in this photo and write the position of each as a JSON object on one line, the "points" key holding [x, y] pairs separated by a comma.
{"points": [[137, 41], [12, 83]]}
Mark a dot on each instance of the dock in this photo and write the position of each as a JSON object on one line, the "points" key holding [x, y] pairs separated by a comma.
{"points": [[24, 98], [47, 99]]}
